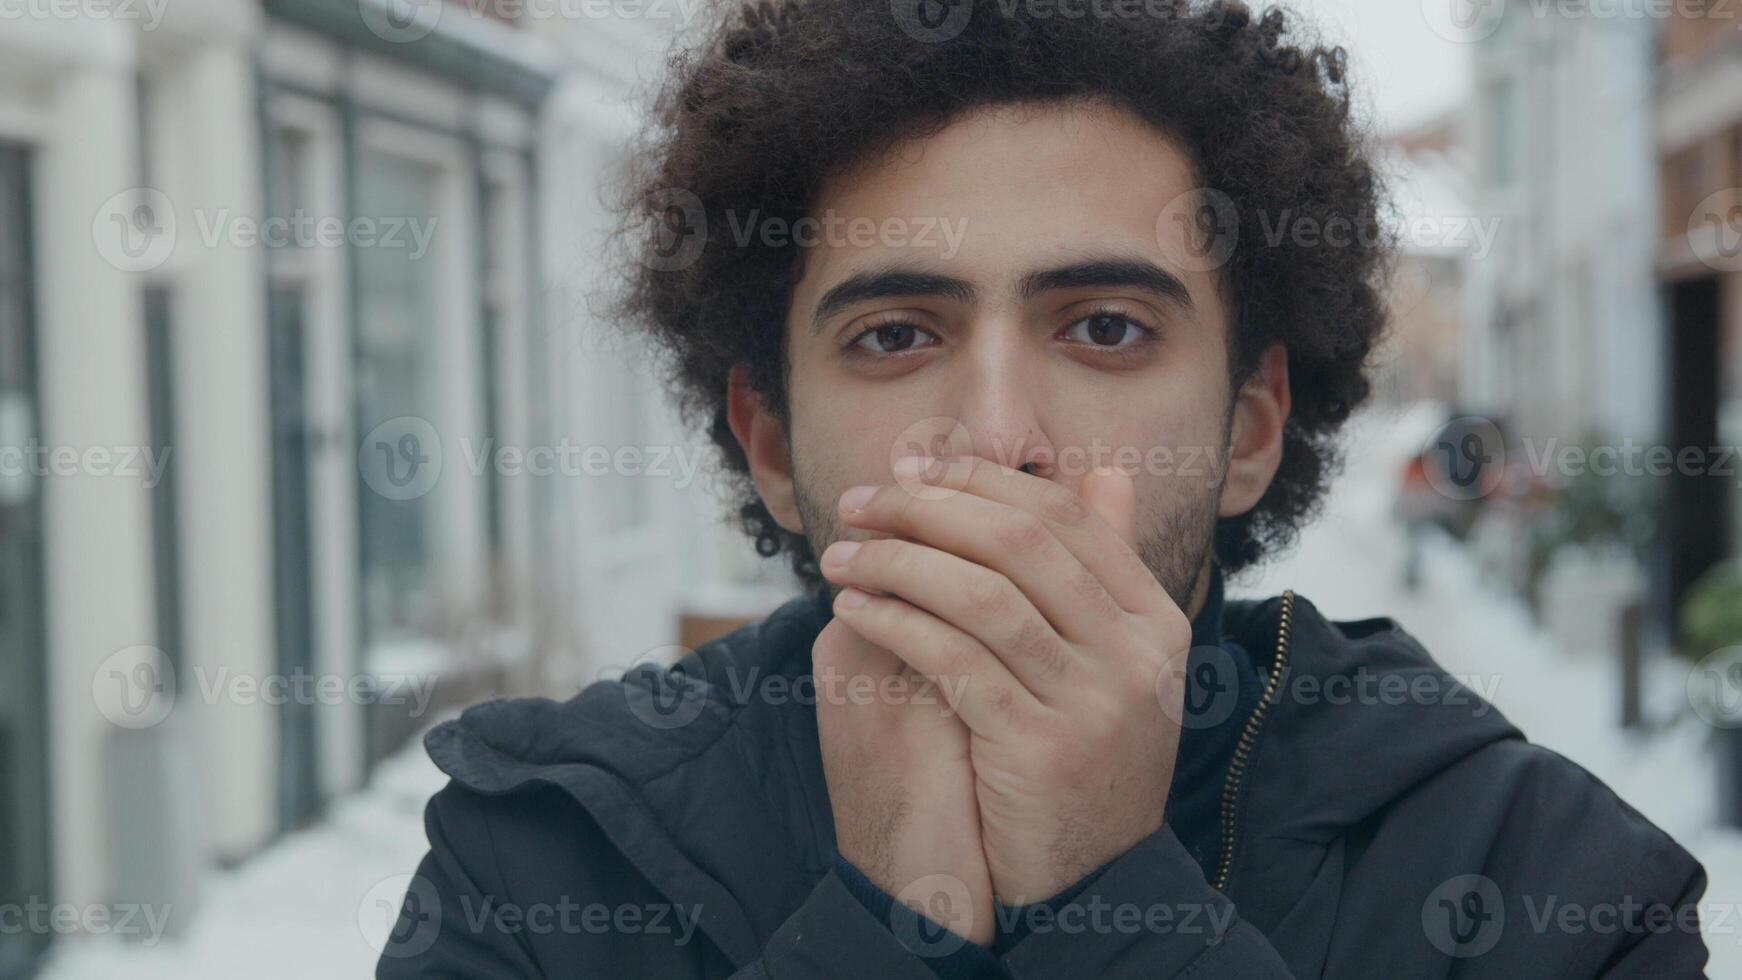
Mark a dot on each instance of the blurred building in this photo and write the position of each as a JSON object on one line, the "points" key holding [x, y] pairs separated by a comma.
{"points": [[1439, 239], [1699, 263], [303, 391], [1562, 338]]}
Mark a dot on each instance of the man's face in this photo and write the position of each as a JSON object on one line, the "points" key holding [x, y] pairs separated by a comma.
{"points": [[1017, 286]]}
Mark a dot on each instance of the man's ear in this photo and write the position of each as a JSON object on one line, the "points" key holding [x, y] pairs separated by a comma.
{"points": [[764, 440], [1255, 437]]}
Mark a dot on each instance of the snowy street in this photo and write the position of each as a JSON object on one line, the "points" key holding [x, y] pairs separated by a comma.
{"points": [[307, 906]]}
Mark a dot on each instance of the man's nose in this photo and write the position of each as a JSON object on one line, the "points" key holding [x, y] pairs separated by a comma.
{"points": [[1002, 403]]}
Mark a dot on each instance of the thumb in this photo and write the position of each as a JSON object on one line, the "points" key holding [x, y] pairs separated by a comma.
{"points": [[1112, 495]]}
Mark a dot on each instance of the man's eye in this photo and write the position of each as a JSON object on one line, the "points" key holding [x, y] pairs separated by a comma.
{"points": [[891, 338], [1108, 330]]}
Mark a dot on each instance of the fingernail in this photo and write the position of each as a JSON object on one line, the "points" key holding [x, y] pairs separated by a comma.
{"points": [[840, 552], [851, 598], [855, 499]]}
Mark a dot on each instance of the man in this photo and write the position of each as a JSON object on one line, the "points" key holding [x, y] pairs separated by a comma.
{"points": [[989, 308]]}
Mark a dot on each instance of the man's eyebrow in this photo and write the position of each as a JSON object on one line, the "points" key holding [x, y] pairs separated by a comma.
{"points": [[884, 283], [890, 282], [1109, 272]]}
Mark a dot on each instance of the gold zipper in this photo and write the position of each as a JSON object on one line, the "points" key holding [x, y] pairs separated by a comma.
{"points": [[1249, 738]]}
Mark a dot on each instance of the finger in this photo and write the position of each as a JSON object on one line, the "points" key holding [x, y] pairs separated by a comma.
{"points": [[976, 600], [840, 654], [1002, 538], [977, 684], [1107, 552], [1112, 495]]}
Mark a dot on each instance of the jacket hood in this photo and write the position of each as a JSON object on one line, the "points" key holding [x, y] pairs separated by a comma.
{"points": [[708, 776]]}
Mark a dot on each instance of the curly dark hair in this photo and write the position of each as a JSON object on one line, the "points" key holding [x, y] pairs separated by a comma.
{"points": [[780, 94]]}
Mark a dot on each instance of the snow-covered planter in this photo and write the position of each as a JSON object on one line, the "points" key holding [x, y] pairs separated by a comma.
{"points": [[1582, 595]]}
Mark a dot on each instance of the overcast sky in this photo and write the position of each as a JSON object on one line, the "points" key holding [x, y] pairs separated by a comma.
{"points": [[1404, 71]]}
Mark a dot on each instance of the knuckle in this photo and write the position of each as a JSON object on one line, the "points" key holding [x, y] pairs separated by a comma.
{"points": [[1089, 589], [986, 595], [1063, 507], [1035, 642], [1021, 533], [1003, 700]]}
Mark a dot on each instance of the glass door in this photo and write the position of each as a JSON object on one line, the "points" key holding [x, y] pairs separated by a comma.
{"points": [[24, 843]]}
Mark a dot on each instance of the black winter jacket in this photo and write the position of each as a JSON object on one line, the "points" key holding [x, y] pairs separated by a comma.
{"points": [[1378, 820]]}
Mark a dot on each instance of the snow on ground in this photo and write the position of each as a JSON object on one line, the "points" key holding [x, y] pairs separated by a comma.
{"points": [[304, 909], [307, 906]]}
